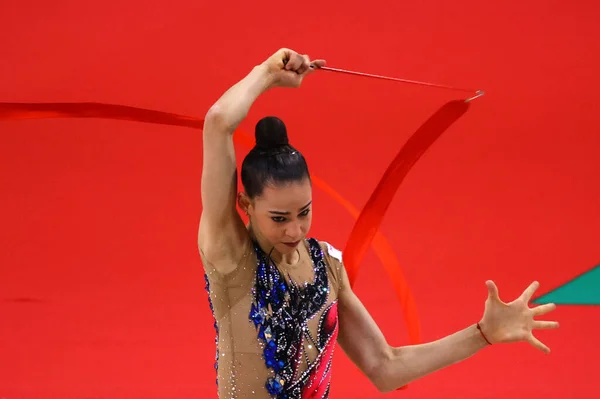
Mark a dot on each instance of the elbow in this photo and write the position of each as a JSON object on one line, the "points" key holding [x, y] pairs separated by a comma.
{"points": [[382, 385], [380, 374], [215, 115], [390, 373], [217, 119]]}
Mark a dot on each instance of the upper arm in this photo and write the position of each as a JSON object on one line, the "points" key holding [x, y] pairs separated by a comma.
{"points": [[359, 335], [221, 229]]}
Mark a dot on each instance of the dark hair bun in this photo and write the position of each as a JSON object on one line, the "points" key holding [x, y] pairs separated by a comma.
{"points": [[271, 133]]}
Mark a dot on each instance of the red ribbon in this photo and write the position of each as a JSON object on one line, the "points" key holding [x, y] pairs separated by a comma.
{"points": [[15, 111], [366, 229], [372, 214]]}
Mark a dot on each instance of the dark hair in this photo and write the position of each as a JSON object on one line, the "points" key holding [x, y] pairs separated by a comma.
{"points": [[273, 160]]}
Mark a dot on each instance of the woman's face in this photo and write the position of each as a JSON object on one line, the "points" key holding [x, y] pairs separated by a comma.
{"points": [[281, 217]]}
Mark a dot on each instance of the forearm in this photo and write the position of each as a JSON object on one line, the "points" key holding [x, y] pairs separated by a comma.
{"points": [[233, 106], [409, 363]]}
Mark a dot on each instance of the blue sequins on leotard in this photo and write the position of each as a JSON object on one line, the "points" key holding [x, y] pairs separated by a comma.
{"points": [[280, 311]]}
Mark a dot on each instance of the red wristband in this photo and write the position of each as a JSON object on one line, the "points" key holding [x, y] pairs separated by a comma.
{"points": [[482, 334]]}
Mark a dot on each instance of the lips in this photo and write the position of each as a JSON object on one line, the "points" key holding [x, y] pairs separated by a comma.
{"points": [[292, 244]]}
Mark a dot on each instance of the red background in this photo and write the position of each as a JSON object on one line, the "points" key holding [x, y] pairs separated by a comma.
{"points": [[101, 288]]}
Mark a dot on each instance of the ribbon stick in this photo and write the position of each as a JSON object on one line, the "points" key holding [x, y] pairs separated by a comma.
{"points": [[478, 93]]}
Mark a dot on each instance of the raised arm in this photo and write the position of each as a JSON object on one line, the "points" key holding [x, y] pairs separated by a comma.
{"points": [[221, 232], [221, 229], [390, 368]]}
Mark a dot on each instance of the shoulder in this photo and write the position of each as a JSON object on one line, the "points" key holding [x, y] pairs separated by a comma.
{"points": [[334, 260], [331, 251]]}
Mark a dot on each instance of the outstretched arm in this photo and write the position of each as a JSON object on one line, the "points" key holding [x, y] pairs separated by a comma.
{"points": [[221, 233], [390, 368]]}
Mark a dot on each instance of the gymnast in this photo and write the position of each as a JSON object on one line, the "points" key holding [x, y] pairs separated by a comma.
{"points": [[281, 300]]}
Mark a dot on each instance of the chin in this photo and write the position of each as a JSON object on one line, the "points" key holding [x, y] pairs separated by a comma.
{"points": [[284, 248]]}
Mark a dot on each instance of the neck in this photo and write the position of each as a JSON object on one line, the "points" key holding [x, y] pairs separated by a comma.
{"points": [[267, 247], [290, 259]]}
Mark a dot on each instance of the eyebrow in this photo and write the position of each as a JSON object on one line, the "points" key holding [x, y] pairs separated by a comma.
{"points": [[287, 213]]}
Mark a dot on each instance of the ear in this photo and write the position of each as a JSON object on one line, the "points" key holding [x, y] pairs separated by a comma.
{"points": [[244, 202]]}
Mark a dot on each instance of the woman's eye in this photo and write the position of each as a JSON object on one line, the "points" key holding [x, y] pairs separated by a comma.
{"points": [[278, 219], [304, 213]]}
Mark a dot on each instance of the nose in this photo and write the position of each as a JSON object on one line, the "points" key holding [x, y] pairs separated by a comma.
{"points": [[294, 231]]}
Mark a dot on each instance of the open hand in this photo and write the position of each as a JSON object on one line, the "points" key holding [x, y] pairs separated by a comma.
{"points": [[287, 68], [514, 321]]}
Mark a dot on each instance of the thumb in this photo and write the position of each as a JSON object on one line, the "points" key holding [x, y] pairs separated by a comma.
{"points": [[281, 58], [318, 63], [492, 290]]}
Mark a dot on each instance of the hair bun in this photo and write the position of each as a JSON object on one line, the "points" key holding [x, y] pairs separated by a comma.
{"points": [[271, 133]]}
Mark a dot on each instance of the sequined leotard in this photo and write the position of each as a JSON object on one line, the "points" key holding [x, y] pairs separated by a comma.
{"points": [[276, 326]]}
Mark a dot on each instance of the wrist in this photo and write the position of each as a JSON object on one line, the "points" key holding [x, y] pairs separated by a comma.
{"points": [[264, 75], [480, 326]]}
